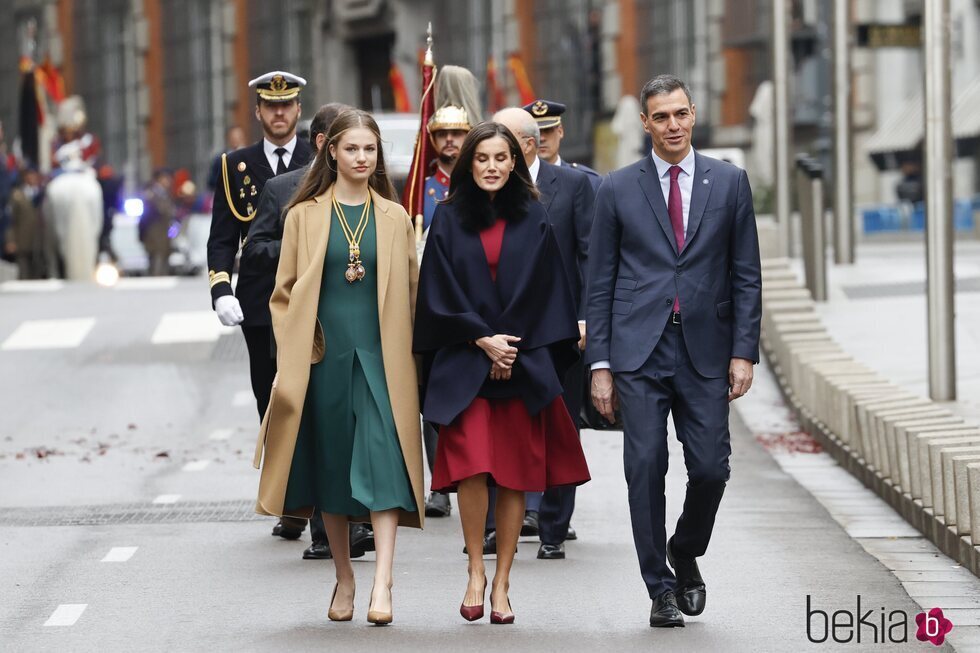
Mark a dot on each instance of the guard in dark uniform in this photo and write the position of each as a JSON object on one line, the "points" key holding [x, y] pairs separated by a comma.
{"points": [[548, 114], [557, 504], [242, 177]]}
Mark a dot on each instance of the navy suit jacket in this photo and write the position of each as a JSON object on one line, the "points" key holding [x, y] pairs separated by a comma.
{"points": [[260, 251], [635, 269], [568, 197]]}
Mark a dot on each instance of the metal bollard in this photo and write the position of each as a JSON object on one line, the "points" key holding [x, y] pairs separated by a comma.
{"points": [[811, 200]]}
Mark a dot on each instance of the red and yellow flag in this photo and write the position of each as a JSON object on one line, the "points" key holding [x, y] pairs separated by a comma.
{"points": [[398, 89], [521, 79], [495, 95]]}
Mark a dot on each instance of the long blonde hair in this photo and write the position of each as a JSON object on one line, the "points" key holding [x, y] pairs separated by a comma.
{"points": [[323, 173]]}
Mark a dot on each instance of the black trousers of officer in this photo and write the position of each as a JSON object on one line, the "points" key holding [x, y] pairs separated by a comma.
{"points": [[262, 368], [668, 383], [558, 503]]}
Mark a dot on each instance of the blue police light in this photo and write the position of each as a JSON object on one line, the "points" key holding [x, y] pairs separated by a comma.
{"points": [[133, 207]]}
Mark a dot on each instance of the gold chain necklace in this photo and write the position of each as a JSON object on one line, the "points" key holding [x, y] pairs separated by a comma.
{"points": [[355, 268]]}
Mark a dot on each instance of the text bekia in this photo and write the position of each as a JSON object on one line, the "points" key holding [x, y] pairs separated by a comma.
{"points": [[873, 626]]}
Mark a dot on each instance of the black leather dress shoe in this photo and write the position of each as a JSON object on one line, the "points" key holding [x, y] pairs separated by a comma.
{"points": [[289, 528], [317, 551], [664, 612], [690, 590], [530, 526], [572, 535], [361, 539], [438, 505], [489, 544], [551, 552]]}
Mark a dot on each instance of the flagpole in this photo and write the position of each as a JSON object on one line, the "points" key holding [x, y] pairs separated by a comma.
{"points": [[414, 198]]}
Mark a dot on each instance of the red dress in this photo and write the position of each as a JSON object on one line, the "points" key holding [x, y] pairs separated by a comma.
{"points": [[500, 438]]}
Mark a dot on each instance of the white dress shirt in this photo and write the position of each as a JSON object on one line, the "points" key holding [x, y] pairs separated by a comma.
{"points": [[534, 168], [270, 152], [685, 180]]}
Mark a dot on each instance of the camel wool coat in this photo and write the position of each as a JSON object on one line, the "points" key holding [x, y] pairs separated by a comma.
{"points": [[300, 341]]}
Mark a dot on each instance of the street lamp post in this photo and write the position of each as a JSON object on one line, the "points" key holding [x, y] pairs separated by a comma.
{"points": [[843, 140], [939, 202], [781, 137]]}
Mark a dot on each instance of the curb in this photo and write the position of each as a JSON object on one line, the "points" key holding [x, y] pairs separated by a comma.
{"points": [[919, 457]]}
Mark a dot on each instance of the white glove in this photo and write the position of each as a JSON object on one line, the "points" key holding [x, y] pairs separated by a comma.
{"points": [[229, 310]]}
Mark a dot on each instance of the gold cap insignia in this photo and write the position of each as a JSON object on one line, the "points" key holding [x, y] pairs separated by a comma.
{"points": [[539, 108]]}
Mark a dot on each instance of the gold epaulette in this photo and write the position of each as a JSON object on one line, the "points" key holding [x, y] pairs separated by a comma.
{"points": [[218, 277], [231, 205]]}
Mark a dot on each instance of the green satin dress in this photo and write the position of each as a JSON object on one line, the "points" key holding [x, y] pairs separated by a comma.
{"points": [[348, 460]]}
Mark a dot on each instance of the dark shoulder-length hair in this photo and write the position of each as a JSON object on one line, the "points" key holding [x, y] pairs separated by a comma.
{"points": [[477, 211], [323, 173]]}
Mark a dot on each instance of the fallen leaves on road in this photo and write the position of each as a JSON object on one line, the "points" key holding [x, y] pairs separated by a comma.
{"points": [[789, 442]]}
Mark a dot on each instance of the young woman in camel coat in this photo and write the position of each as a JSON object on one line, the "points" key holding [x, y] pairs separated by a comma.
{"points": [[342, 430]]}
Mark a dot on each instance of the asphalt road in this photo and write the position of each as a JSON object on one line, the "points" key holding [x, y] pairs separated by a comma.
{"points": [[144, 399]]}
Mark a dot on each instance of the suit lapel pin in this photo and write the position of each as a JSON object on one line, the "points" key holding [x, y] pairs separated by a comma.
{"points": [[704, 181]]}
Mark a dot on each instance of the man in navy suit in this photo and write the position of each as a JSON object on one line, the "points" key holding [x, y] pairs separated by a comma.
{"points": [[674, 306]]}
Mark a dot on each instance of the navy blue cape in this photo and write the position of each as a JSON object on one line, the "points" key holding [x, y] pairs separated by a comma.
{"points": [[458, 302]]}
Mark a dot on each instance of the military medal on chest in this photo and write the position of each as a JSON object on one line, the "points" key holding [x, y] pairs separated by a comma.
{"points": [[355, 268]]}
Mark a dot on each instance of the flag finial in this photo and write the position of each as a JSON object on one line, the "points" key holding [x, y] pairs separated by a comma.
{"points": [[428, 46]]}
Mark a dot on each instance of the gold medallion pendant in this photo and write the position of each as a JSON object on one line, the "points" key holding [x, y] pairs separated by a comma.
{"points": [[355, 268]]}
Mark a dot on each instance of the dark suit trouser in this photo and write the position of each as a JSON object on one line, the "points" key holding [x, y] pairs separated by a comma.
{"points": [[668, 383], [430, 438], [261, 363], [262, 369], [558, 503]]}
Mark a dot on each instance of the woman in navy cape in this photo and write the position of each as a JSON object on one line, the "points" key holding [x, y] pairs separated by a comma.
{"points": [[496, 327]]}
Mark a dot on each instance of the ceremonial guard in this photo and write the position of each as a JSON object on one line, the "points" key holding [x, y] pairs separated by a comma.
{"points": [[548, 114], [242, 177], [447, 129]]}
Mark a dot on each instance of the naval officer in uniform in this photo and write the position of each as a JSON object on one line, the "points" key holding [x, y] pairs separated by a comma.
{"points": [[548, 114], [243, 174]]}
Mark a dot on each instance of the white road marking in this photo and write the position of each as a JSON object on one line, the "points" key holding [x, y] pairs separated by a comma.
{"points": [[243, 398], [146, 283], [167, 498], [120, 554], [33, 285], [197, 465], [66, 614], [220, 434], [190, 326], [49, 334]]}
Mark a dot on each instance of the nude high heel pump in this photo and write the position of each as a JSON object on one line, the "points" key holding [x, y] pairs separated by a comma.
{"points": [[377, 617], [339, 615]]}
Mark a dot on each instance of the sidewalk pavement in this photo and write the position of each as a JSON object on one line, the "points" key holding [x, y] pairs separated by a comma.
{"points": [[876, 310]]}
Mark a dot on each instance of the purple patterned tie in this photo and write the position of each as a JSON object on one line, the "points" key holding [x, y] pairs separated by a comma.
{"points": [[675, 209]]}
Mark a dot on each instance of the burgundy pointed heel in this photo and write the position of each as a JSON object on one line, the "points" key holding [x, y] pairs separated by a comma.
{"points": [[502, 617], [473, 612]]}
